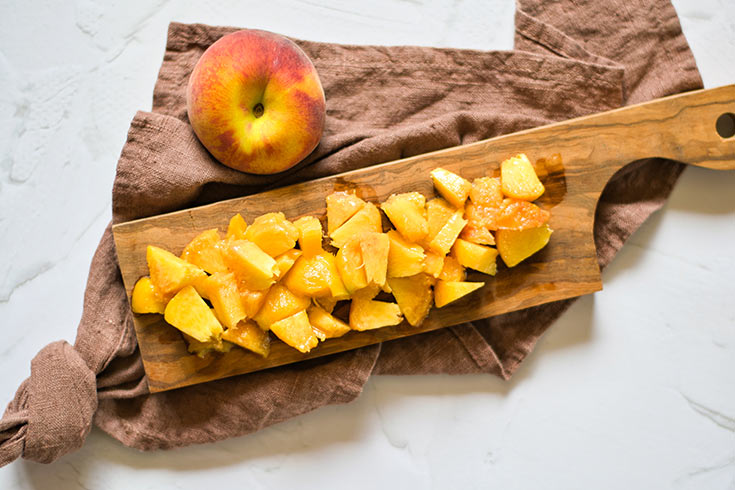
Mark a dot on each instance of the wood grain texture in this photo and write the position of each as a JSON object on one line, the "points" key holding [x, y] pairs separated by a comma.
{"points": [[592, 148]]}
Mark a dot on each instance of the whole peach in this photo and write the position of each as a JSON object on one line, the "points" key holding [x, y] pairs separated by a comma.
{"points": [[255, 102]]}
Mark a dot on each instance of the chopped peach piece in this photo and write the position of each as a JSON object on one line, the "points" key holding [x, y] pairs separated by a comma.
{"points": [[279, 303], [341, 206], [408, 214], [521, 215], [366, 219], [413, 295], [310, 235], [370, 291], [519, 179], [446, 292], [202, 286], [236, 228], [310, 276], [273, 233], [205, 251], [444, 240], [480, 216], [249, 336], [438, 212], [476, 257], [368, 314], [326, 304], [225, 298], [477, 234], [350, 266], [486, 191], [252, 300], [296, 331], [374, 248], [336, 285], [169, 273], [324, 324], [516, 246], [144, 298], [286, 260], [451, 186], [188, 312], [253, 267], [404, 259], [433, 264], [452, 270]]}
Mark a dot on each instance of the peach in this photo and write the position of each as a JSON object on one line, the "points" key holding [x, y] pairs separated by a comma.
{"points": [[255, 102], [144, 298], [249, 336]]}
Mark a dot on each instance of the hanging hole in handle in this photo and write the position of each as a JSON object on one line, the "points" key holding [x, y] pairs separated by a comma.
{"points": [[726, 125]]}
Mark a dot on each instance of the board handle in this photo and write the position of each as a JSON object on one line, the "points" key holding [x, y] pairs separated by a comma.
{"points": [[696, 128]]}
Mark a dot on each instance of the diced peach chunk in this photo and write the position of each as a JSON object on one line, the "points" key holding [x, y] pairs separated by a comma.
{"points": [[516, 246], [236, 228], [481, 216], [341, 206], [249, 336], [486, 191], [476, 257], [279, 303], [408, 214], [252, 300], [145, 299], [296, 331], [477, 234], [438, 212], [433, 264], [413, 295], [310, 276], [404, 258], [519, 179], [286, 260], [225, 298], [253, 267], [273, 233], [446, 292], [521, 215], [202, 285], [324, 324], [350, 265], [444, 240], [310, 235], [188, 312], [168, 273], [452, 270], [451, 186], [326, 304], [366, 219], [375, 248], [368, 314], [338, 291], [205, 251]]}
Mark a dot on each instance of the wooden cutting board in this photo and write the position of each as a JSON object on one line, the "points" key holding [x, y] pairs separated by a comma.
{"points": [[592, 149]]}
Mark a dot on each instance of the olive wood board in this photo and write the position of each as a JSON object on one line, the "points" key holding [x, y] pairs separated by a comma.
{"points": [[592, 149]]}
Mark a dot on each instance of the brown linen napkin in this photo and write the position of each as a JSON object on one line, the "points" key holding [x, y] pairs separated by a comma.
{"points": [[383, 103]]}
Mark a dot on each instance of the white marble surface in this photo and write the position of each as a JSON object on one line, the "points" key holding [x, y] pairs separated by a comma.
{"points": [[633, 388]]}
